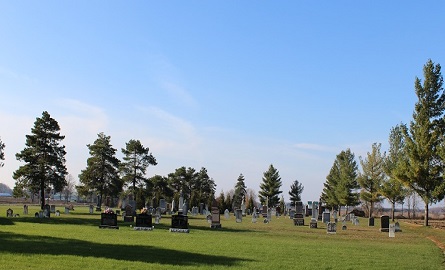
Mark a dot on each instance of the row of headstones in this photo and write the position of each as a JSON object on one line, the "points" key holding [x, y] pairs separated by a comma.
{"points": [[45, 213]]}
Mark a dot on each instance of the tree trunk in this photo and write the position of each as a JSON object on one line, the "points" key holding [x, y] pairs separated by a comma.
{"points": [[42, 194], [371, 210], [392, 210], [425, 221]]}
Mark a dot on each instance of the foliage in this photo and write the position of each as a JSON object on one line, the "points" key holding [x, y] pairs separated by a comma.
{"points": [[296, 189], [136, 161], [44, 158], [270, 187], [422, 170], [371, 177], [341, 183], [157, 187], [101, 174], [392, 189], [240, 192]]}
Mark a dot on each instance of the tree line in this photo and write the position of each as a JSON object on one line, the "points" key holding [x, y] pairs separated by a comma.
{"points": [[105, 176], [414, 162]]}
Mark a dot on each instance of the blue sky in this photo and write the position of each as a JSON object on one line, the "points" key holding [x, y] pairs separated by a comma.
{"points": [[232, 86]]}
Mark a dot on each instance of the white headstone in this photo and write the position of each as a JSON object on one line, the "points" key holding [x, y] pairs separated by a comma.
{"points": [[392, 230], [226, 214]]}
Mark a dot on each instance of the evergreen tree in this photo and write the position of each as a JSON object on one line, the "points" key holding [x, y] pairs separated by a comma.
{"points": [[270, 187], [2, 152], [136, 161], [341, 183], [422, 171], [371, 177], [157, 188], [221, 202], [44, 158], [296, 189], [240, 192], [101, 174], [203, 189], [392, 189]]}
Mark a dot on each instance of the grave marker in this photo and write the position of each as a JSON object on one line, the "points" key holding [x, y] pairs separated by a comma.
{"points": [[108, 220], [238, 215], [227, 214], [384, 223], [128, 217], [179, 224], [143, 222], [25, 209], [9, 212], [216, 219], [392, 230], [332, 228]]}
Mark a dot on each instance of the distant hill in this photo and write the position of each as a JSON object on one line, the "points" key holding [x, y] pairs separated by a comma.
{"points": [[5, 189]]}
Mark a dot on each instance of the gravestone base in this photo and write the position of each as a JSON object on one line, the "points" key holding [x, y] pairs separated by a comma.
{"points": [[215, 226], [313, 224], [179, 230], [299, 221], [108, 227], [129, 219], [143, 228], [384, 229]]}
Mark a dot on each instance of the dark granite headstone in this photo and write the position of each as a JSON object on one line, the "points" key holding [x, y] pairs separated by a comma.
{"points": [[179, 223], [108, 221], [143, 222], [371, 221], [384, 223]]}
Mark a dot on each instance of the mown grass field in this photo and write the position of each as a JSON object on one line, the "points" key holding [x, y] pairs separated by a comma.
{"points": [[74, 241]]}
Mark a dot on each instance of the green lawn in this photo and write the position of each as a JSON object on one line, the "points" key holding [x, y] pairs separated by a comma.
{"points": [[75, 241]]}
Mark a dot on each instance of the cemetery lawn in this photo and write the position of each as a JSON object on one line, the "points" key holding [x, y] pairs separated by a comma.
{"points": [[74, 241]]}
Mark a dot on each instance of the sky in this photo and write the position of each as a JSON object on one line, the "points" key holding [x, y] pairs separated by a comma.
{"points": [[231, 86]]}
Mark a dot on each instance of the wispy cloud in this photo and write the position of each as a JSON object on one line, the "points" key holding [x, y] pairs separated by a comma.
{"points": [[179, 93]]}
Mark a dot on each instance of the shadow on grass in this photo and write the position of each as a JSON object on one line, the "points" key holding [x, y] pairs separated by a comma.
{"points": [[62, 220], [26, 244], [6, 221]]}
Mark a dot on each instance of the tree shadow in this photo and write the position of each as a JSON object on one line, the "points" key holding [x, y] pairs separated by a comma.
{"points": [[6, 221], [26, 244]]}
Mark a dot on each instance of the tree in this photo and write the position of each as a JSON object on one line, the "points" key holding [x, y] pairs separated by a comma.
{"points": [[2, 152], [341, 182], [296, 189], [202, 188], [101, 174], [221, 201], [157, 188], [181, 181], [136, 161], [44, 158], [371, 177], [422, 170], [240, 192], [69, 188], [270, 187], [392, 189]]}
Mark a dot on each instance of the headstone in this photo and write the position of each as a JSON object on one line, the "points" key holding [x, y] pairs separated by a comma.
{"points": [[163, 205], [9, 212], [158, 215], [352, 217], [392, 230], [36, 215], [47, 211], [201, 208], [71, 206], [326, 217], [179, 224], [299, 207], [269, 215], [194, 211], [128, 214], [347, 217], [291, 214], [181, 203], [264, 211], [25, 209], [299, 220], [52, 209], [332, 228], [173, 206], [371, 221], [384, 223], [343, 227], [67, 210], [238, 215], [57, 213], [91, 208], [356, 221], [313, 224], [216, 219], [335, 216], [108, 220], [397, 227], [143, 222], [184, 208], [226, 214], [309, 208], [254, 217]]}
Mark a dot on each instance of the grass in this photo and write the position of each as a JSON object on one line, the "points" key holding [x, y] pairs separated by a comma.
{"points": [[74, 241]]}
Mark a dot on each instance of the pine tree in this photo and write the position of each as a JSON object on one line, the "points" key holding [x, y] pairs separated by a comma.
{"points": [[270, 187], [296, 189], [136, 161], [101, 174], [371, 177], [44, 158], [240, 192], [422, 171]]}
